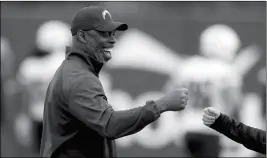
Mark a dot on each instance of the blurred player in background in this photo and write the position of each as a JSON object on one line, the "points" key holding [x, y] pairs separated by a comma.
{"points": [[34, 74], [9, 106], [212, 80], [8, 81]]}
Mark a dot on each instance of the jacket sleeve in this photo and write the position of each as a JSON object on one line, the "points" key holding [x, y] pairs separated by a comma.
{"points": [[251, 138], [88, 103]]}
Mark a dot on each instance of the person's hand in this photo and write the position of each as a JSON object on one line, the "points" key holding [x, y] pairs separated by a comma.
{"points": [[175, 100], [210, 115]]}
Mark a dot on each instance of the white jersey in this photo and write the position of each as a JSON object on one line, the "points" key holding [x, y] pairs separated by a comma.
{"points": [[36, 73], [211, 77]]}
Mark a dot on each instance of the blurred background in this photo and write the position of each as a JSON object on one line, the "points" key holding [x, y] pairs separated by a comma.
{"points": [[216, 49]]}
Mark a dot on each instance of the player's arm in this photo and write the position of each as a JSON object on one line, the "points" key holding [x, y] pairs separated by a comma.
{"points": [[252, 138], [87, 102]]}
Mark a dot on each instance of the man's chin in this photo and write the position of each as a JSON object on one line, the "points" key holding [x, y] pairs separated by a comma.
{"points": [[107, 59]]}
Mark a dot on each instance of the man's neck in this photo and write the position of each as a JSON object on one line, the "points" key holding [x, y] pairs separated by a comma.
{"points": [[79, 47], [93, 63]]}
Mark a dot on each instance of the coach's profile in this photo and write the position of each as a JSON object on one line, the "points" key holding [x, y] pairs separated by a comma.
{"points": [[78, 120]]}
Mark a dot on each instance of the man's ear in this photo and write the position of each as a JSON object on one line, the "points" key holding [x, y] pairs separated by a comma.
{"points": [[81, 36]]}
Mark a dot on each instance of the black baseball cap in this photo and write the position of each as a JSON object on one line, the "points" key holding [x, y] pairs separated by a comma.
{"points": [[95, 18]]}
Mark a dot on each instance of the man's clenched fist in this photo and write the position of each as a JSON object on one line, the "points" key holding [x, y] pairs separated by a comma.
{"points": [[210, 115], [173, 101]]}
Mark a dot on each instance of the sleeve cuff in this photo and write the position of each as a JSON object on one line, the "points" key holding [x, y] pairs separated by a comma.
{"points": [[152, 108], [218, 124]]}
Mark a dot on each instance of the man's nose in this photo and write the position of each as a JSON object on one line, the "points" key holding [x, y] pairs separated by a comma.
{"points": [[112, 40]]}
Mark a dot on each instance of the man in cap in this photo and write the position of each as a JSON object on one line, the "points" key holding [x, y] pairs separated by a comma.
{"points": [[78, 120]]}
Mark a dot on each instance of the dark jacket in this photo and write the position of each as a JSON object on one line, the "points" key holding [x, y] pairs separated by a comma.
{"points": [[251, 138], [78, 120]]}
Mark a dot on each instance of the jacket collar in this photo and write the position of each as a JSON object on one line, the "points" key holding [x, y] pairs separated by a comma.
{"points": [[93, 64]]}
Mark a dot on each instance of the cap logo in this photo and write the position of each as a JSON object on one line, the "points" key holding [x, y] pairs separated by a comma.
{"points": [[104, 13]]}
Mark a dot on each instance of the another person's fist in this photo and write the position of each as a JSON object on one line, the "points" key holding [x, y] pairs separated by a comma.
{"points": [[175, 100], [210, 115]]}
